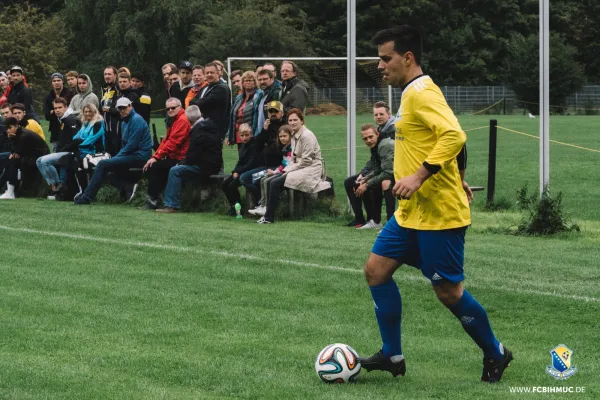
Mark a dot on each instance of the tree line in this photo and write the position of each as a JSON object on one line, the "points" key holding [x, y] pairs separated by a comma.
{"points": [[467, 42]]}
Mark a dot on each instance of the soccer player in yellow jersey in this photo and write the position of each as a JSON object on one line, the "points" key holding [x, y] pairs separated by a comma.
{"points": [[428, 231]]}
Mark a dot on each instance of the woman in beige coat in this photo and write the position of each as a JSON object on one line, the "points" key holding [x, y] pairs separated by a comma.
{"points": [[305, 173]]}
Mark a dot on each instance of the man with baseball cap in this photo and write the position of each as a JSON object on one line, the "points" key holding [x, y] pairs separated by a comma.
{"points": [[20, 92], [185, 80], [58, 90], [136, 148]]}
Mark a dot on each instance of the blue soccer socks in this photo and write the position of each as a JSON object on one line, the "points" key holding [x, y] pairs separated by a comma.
{"points": [[475, 321], [388, 310]]}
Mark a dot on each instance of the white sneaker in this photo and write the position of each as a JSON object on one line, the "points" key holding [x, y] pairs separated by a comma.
{"points": [[263, 220], [371, 225], [10, 192], [260, 210]]}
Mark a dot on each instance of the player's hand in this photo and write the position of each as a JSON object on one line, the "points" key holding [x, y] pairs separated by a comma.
{"points": [[149, 163], [468, 191], [361, 189], [405, 187]]}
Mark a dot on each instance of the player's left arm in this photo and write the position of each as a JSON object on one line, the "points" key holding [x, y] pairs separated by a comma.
{"points": [[434, 113]]}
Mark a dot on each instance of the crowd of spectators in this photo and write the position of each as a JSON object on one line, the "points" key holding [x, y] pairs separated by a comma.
{"points": [[105, 137]]}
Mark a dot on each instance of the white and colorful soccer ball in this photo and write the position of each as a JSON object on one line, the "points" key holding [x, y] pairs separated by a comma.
{"points": [[337, 363]]}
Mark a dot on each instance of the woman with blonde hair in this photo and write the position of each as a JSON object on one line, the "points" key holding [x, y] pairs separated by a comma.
{"points": [[245, 108]]}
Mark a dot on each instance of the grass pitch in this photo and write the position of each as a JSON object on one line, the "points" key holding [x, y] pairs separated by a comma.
{"points": [[107, 301]]}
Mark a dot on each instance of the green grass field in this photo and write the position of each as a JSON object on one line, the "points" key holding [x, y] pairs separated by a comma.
{"points": [[111, 302]]}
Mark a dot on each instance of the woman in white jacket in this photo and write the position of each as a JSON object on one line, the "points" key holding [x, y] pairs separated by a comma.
{"points": [[305, 173]]}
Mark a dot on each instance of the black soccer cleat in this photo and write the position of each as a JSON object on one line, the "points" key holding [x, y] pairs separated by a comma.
{"points": [[493, 369], [378, 362]]}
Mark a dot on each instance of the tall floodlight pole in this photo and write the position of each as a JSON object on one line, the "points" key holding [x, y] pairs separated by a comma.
{"points": [[544, 94], [351, 86]]}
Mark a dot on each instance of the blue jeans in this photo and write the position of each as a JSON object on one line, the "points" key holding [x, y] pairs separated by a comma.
{"points": [[47, 166], [118, 165], [176, 176], [246, 181]]}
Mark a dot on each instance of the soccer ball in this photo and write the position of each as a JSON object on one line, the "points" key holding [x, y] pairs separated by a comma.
{"points": [[337, 363]]}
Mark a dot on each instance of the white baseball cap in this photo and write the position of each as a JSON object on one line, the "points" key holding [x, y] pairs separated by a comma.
{"points": [[123, 102]]}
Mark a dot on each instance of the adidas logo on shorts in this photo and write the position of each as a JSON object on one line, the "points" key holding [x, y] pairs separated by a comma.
{"points": [[436, 277]]}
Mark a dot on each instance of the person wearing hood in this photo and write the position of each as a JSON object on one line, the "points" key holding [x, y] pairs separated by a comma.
{"points": [[136, 149], [69, 125], [294, 93], [375, 184], [26, 121], [170, 152], [27, 147], [58, 90], [84, 96], [384, 120], [20, 92]]}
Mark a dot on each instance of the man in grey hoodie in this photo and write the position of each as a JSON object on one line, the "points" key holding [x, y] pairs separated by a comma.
{"points": [[384, 120], [84, 95]]}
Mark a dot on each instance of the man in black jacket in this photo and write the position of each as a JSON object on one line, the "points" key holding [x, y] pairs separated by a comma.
{"points": [[20, 93], [69, 126], [108, 99], [145, 106], [58, 90], [203, 158], [27, 147], [214, 100], [294, 93]]}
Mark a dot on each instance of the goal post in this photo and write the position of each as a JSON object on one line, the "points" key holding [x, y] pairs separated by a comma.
{"points": [[328, 86]]}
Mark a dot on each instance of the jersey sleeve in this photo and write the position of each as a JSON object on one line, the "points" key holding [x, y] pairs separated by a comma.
{"points": [[433, 112]]}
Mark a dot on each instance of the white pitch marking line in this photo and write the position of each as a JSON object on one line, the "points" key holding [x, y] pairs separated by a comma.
{"points": [[185, 249]]}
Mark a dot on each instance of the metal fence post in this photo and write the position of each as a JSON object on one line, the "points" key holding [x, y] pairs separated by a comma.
{"points": [[492, 160]]}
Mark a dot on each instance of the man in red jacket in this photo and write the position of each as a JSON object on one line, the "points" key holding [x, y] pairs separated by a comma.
{"points": [[172, 150]]}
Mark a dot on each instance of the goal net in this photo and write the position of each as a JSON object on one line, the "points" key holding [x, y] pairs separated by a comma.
{"points": [[326, 79]]}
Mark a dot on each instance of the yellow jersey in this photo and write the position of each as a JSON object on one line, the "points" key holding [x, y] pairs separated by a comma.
{"points": [[427, 131], [32, 125]]}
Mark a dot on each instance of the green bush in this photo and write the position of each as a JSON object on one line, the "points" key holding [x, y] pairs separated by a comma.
{"points": [[546, 215]]}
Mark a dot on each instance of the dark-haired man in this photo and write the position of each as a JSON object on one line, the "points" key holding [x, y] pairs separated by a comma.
{"points": [[58, 90], [108, 99], [294, 93], [145, 105], [272, 92], [214, 100], [20, 92], [27, 147], [428, 231], [68, 127], [19, 112]]}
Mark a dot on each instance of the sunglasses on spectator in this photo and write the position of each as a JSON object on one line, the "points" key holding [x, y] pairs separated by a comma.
{"points": [[121, 108], [172, 108]]}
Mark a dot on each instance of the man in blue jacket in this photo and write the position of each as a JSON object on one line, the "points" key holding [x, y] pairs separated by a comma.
{"points": [[136, 149]]}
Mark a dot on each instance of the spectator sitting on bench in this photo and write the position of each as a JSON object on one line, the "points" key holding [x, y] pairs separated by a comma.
{"points": [[68, 127], [27, 147], [5, 144], [87, 143], [284, 143], [136, 148], [384, 120], [203, 158], [250, 160], [306, 173], [374, 182], [170, 152], [27, 122], [266, 143]]}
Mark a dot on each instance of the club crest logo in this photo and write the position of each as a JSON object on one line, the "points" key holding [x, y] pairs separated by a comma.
{"points": [[562, 367]]}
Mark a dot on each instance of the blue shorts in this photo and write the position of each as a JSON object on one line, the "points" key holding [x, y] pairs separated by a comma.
{"points": [[438, 254]]}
